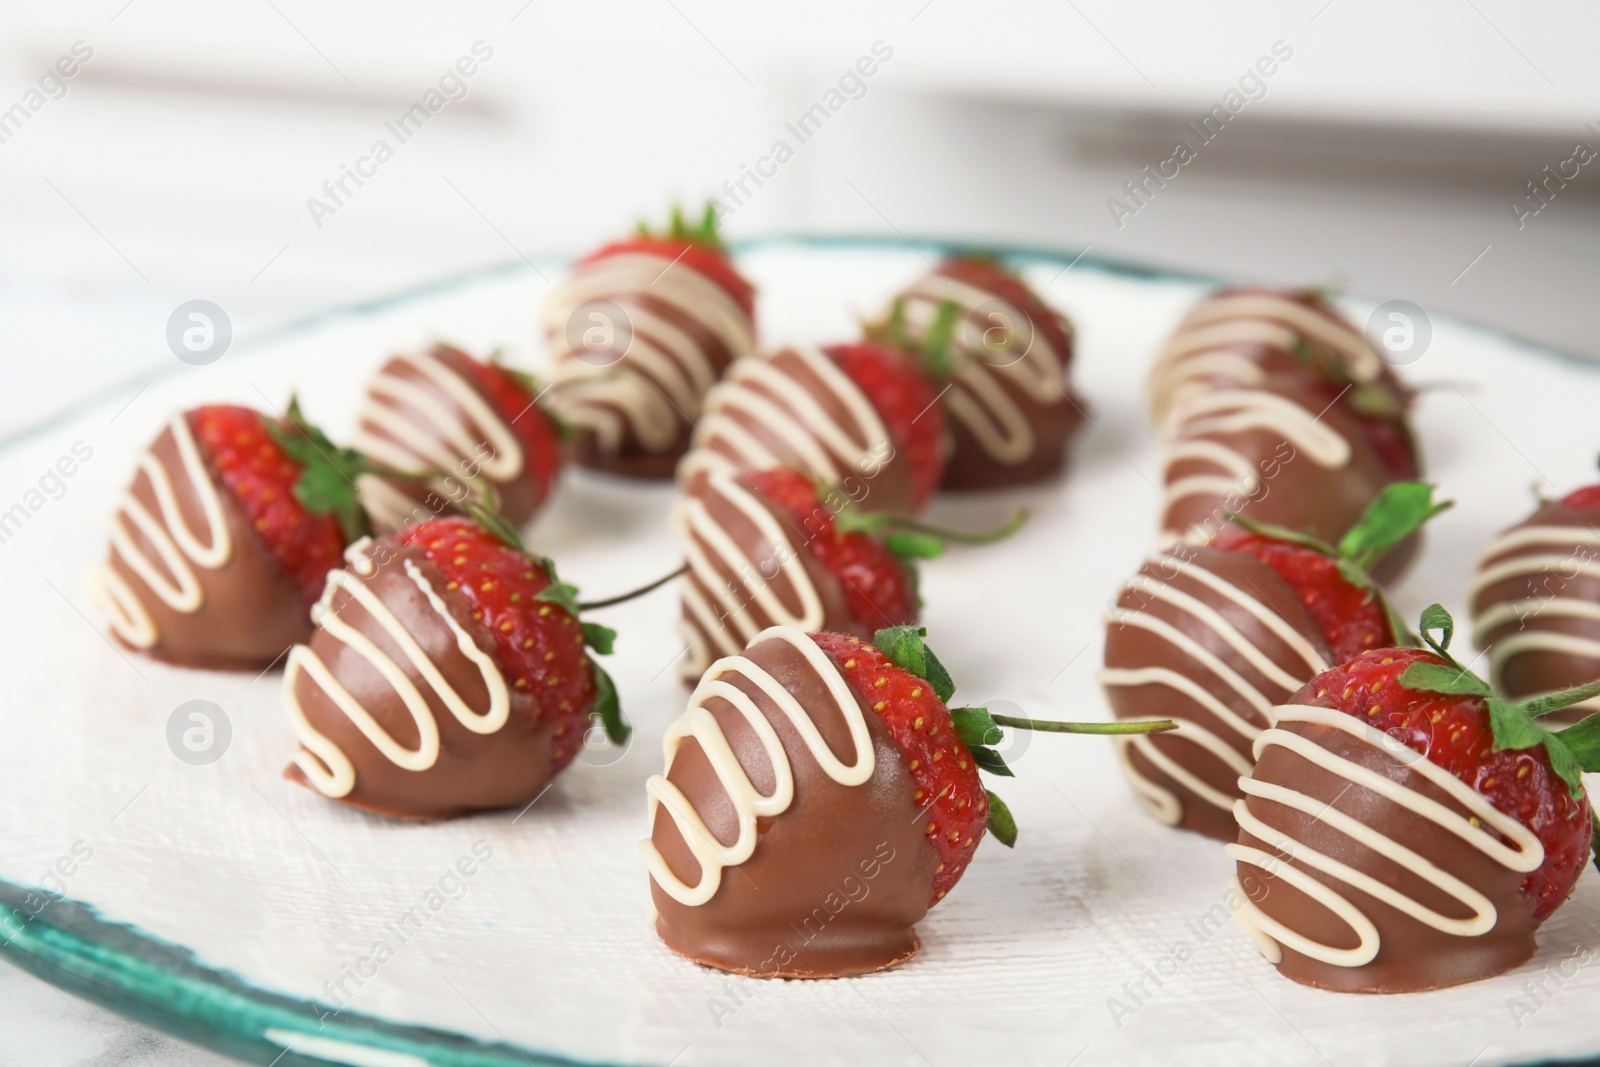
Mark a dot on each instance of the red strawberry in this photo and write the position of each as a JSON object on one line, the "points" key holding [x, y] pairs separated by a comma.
{"points": [[1454, 730], [244, 452], [1586, 497], [1351, 616], [697, 247], [900, 679], [513, 397], [532, 619], [908, 404], [879, 587], [1332, 580], [948, 788]]}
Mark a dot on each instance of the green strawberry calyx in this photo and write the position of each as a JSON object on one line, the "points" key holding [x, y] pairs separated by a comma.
{"points": [[703, 232], [1394, 515], [602, 639], [328, 472], [978, 728], [1572, 751]]}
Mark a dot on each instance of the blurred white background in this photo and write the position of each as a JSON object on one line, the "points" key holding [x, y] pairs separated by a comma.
{"points": [[1383, 149], [1382, 156]]}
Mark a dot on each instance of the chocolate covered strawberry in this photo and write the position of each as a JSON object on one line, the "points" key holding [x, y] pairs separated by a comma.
{"points": [[476, 424], [1271, 404], [1405, 828], [1534, 600], [1214, 636], [861, 418], [220, 545], [819, 796], [638, 333], [450, 672], [1000, 356], [773, 547]]}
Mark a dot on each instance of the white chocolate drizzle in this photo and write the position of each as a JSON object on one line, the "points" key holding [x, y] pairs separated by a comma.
{"points": [[1208, 383], [742, 607], [1203, 670], [1196, 418], [173, 580], [748, 802], [1556, 596], [757, 391], [661, 379], [323, 763], [1205, 345], [404, 424], [1483, 826], [1028, 362]]}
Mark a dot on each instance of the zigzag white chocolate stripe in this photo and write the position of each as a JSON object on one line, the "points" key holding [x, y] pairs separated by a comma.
{"points": [[1203, 671], [179, 548], [1555, 592], [1222, 412], [324, 764], [403, 425], [759, 391], [722, 616], [975, 398], [1203, 346], [663, 376], [748, 802], [1469, 817]]}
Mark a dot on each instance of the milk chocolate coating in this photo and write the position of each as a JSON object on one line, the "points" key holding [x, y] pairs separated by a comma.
{"points": [[250, 611], [882, 483], [474, 772], [1129, 647], [1570, 576], [633, 459], [772, 571], [1294, 491], [1052, 418], [970, 466], [1412, 956], [837, 882], [518, 498]]}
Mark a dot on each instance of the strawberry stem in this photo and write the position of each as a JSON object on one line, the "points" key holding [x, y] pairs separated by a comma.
{"points": [[1565, 699], [1052, 726], [621, 598]]}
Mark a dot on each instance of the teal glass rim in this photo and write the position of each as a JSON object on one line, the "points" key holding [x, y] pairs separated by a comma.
{"points": [[68, 944]]}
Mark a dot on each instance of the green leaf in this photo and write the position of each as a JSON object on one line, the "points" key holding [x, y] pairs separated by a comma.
{"points": [[905, 648], [937, 339], [1001, 823], [560, 594], [1512, 727], [1439, 678], [603, 639], [1583, 741], [1435, 617], [1376, 402], [607, 707], [989, 760], [1564, 764], [1594, 839], [975, 726], [327, 481], [914, 546], [1396, 514]]}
